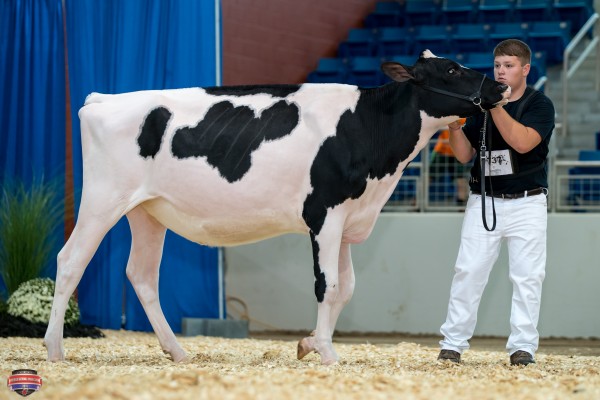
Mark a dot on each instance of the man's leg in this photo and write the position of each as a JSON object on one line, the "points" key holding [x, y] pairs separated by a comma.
{"points": [[477, 254], [527, 257]]}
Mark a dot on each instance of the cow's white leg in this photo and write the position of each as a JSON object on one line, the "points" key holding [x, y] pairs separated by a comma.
{"points": [[326, 247], [346, 284], [147, 239], [72, 261]]}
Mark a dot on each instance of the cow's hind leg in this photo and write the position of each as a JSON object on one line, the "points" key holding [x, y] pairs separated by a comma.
{"points": [[326, 247], [147, 239], [72, 261]]}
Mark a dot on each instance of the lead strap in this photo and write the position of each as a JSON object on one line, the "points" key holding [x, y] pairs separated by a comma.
{"points": [[483, 159]]}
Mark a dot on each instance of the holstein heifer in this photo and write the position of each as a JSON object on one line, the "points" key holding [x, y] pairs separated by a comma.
{"points": [[231, 165]]}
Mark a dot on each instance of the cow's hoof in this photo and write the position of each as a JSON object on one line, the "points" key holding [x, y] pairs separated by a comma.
{"points": [[329, 361], [55, 353], [305, 346], [177, 356]]}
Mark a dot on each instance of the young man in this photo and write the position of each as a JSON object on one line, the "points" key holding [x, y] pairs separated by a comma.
{"points": [[515, 194]]}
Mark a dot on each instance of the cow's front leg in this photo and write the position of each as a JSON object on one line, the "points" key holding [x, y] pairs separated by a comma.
{"points": [[325, 253]]}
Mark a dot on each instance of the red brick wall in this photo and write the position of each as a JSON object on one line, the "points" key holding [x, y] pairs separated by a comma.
{"points": [[281, 41]]}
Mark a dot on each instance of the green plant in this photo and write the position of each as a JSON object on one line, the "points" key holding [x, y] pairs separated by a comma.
{"points": [[28, 217], [33, 301]]}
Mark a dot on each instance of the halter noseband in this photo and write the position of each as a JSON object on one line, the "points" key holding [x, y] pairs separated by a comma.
{"points": [[475, 98]]}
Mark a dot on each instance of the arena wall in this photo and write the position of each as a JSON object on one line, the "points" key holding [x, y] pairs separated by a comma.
{"points": [[403, 276]]}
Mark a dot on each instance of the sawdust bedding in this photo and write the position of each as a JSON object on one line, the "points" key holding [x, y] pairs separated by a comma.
{"points": [[131, 365]]}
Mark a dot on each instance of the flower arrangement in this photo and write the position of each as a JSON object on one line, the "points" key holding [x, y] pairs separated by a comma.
{"points": [[33, 301]]}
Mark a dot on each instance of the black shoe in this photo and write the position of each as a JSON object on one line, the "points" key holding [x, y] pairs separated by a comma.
{"points": [[449, 355], [521, 357]]}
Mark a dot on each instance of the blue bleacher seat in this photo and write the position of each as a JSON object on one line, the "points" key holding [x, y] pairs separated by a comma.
{"points": [[492, 11], [432, 37], [470, 37], [459, 11], [329, 70], [551, 37], [386, 13], [538, 67], [507, 30], [366, 72], [480, 61], [576, 11], [534, 10], [395, 41], [360, 42], [585, 189], [421, 12], [402, 59]]}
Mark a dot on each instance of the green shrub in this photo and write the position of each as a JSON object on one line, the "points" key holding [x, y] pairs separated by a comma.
{"points": [[33, 301], [28, 217]]}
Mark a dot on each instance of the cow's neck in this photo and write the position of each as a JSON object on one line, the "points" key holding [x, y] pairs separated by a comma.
{"points": [[398, 130]]}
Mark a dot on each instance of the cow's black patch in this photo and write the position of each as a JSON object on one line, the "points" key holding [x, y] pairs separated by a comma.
{"points": [[152, 131], [369, 143], [320, 283], [273, 90], [228, 135]]}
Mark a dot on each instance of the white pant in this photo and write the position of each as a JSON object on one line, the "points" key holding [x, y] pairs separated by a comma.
{"points": [[522, 222]]}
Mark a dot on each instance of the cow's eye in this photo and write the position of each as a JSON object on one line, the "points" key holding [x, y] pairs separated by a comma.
{"points": [[451, 71]]}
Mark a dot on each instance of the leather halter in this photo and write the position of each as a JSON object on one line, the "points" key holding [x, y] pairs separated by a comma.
{"points": [[474, 98]]}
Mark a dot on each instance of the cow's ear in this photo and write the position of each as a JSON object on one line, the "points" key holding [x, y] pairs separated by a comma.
{"points": [[397, 71]]}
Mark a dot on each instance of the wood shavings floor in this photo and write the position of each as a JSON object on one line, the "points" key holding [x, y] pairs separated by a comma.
{"points": [[131, 365]]}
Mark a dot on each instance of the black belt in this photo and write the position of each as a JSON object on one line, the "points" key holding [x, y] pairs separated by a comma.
{"points": [[527, 193]]}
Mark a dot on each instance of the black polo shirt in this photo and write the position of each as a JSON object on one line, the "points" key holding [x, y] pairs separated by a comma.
{"points": [[529, 170]]}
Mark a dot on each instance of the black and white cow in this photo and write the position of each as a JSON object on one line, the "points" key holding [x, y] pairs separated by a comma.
{"points": [[231, 165]]}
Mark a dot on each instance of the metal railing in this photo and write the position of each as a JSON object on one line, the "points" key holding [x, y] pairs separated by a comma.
{"points": [[574, 187], [569, 71]]}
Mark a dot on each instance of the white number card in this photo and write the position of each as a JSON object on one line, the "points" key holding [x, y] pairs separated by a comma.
{"points": [[500, 164]]}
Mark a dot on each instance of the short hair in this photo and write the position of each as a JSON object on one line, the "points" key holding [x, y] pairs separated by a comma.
{"points": [[514, 47]]}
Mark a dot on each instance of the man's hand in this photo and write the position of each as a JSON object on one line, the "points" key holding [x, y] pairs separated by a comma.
{"points": [[454, 126]]}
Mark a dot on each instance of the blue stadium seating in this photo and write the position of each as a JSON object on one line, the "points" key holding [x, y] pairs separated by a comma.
{"points": [[421, 12], [330, 70], [538, 67], [386, 13], [576, 11], [360, 42], [480, 61], [395, 41], [470, 37], [403, 59], [366, 72], [551, 37], [507, 30], [432, 37], [534, 10], [492, 11], [459, 11], [585, 189]]}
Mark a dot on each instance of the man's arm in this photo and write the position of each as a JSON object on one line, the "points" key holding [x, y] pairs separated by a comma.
{"points": [[518, 136], [463, 151]]}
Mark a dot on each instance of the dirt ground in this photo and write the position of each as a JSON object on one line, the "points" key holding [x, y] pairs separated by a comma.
{"points": [[130, 365]]}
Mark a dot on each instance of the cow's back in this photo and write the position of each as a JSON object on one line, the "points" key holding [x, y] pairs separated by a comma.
{"points": [[218, 166]]}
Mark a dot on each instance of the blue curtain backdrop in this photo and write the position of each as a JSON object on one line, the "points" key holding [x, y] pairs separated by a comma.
{"points": [[114, 46], [32, 96]]}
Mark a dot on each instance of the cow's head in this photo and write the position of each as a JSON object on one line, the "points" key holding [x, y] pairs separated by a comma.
{"points": [[449, 88]]}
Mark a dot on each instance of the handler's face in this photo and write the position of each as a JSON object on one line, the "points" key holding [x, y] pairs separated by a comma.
{"points": [[508, 70]]}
